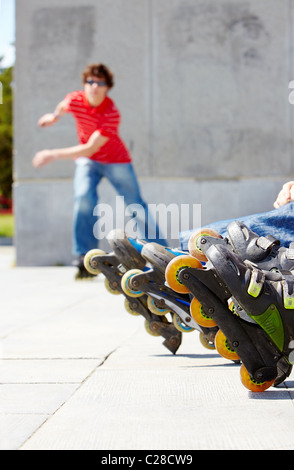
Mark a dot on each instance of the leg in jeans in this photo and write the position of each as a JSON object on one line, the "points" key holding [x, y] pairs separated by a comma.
{"points": [[124, 180], [87, 177], [278, 223]]}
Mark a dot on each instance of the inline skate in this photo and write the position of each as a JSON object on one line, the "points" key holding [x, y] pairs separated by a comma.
{"points": [[265, 252], [257, 327], [126, 255], [161, 298]]}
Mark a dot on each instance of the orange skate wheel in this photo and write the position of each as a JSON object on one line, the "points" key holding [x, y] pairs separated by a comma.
{"points": [[173, 269], [193, 246], [252, 384], [199, 315], [223, 347]]}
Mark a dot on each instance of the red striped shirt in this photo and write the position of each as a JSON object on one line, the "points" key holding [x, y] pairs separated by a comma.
{"points": [[105, 119]]}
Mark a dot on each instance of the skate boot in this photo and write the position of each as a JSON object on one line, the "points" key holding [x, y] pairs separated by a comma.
{"points": [[82, 273], [161, 298], [262, 252], [126, 255], [265, 252], [260, 329]]}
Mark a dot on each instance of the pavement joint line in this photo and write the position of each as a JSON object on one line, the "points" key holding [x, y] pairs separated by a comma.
{"points": [[73, 393]]}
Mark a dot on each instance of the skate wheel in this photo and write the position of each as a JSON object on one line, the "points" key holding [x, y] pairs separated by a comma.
{"points": [[110, 288], [125, 283], [180, 325], [207, 343], [129, 308], [193, 244], [223, 347], [149, 330], [173, 269], [199, 315], [252, 384], [89, 263], [151, 304]]}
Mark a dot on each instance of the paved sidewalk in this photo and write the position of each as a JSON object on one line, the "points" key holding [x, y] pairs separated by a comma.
{"points": [[79, 372]]}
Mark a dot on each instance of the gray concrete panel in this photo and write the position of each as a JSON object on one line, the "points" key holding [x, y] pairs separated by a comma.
{"points": [[221, 88], [43, 223]]}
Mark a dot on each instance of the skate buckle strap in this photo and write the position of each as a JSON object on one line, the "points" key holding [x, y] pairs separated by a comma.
{"points": [[288, 292], [256, 282], [122, 268], [267, 242]]}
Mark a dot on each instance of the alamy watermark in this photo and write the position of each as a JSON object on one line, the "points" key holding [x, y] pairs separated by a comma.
{"points": [[142, 222], [291, 95]]}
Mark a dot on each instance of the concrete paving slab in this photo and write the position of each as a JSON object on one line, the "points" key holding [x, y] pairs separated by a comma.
{"points": [[34, 398], [17, 428], [143, 398], [78, 372], [49, 370]]}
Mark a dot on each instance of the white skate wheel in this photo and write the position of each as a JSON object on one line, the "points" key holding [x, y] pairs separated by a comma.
{"points": [[291, 97]]}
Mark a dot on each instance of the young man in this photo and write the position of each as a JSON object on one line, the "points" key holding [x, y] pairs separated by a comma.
{"points": [[100, 153]]}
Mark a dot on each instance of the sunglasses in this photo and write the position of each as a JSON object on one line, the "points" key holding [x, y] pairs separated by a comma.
{"points": [[99, 83]]}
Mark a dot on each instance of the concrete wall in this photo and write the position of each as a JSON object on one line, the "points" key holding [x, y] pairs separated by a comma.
{"points": [[202, 86]]}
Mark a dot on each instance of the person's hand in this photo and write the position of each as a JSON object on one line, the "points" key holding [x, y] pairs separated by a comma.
{"points": [[47, 120], [43, 158], [286, 195]]}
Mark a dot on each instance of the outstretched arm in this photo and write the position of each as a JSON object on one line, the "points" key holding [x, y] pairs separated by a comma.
{"points": [[51, 118], [95, 142]]}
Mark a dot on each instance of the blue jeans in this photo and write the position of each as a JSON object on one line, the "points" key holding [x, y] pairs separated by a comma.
{"points": [[88, 175], [278, 223]]}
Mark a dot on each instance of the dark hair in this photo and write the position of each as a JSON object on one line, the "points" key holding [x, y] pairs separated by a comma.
{"points": [[99, 71]]}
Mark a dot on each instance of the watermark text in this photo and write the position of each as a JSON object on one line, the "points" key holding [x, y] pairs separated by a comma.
{"points": [[150, 221]]}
